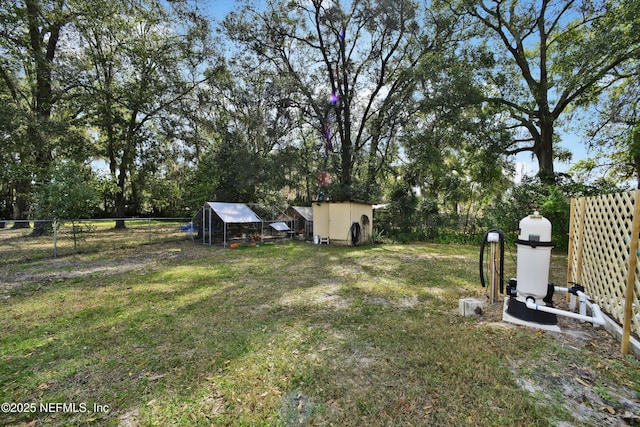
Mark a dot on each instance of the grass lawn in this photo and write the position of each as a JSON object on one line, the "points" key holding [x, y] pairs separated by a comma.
{"points": [[291, 334]]}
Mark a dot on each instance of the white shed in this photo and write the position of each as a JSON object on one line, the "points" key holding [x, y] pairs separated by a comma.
{"points": [[343, 222]]}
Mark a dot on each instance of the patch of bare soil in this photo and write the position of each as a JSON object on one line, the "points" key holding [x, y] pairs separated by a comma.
{"points": [[588, 386]]}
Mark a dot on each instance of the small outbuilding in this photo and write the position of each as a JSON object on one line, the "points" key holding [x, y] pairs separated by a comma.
{"points": [[278, 230], [223, 222], [300, 220], [344, 223]]}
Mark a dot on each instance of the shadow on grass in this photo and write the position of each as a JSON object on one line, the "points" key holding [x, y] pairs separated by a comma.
{"points": [[288, 334]]}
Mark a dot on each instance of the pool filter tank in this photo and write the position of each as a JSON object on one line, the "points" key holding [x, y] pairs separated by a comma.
{"points": [[532, 283]]}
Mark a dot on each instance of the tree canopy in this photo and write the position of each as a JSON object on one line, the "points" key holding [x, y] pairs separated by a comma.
{"points": [[299, 100], [548, 57]]}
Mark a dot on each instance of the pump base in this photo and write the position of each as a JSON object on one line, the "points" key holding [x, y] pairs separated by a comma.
{"points": [[515, 311]]}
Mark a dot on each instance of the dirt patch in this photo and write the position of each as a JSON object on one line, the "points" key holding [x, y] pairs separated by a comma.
{"points": [[327, 296], [584, 393], [46, 272], [404, 302], [296, 409], [589, 394]]}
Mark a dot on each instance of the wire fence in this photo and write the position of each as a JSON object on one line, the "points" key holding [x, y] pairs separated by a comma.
{"points": [[56, 238]]}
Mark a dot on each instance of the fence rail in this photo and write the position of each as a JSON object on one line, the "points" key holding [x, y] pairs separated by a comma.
{"points": [[64, 237], [603, 255]]}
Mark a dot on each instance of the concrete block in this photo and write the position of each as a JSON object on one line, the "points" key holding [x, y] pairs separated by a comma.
{"points": [[470, 306]]}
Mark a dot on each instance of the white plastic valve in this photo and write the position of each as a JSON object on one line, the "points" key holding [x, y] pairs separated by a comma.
{"points": [[493, 237]]}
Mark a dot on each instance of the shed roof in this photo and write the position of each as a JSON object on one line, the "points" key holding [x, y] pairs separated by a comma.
{"points": [[280, 226], [305, 211], [233, 212], [361, 202]]}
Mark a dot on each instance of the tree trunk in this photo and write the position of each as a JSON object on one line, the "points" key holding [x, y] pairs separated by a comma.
{"points": [[43, 51], [345, 178], [120, 199], [120, 212], [346, 152], [544, 153], [372, 167], [21, 204]]}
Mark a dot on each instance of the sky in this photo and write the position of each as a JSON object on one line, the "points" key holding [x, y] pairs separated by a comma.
{"points": [[526, 165], [219, 8]]}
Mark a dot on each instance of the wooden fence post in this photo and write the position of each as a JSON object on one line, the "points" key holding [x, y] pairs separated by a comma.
{"points": [[580, 249], [631, 274], [576, 244], [495, 274], [572, 226]]}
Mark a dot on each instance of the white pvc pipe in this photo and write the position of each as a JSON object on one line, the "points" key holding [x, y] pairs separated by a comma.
{"points": [[583, 303], [595, 310], [582, 297], [597, 318]]}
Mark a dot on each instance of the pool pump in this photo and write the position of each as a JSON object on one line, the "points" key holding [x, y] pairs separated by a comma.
{"points": [[530, 295], [532, 284]]}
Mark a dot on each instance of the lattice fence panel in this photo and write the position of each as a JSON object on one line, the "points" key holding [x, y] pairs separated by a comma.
{"points": [[602, 228], [575, 240]]}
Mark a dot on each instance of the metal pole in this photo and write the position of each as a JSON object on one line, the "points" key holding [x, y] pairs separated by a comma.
{"points": [[55, 239], [210, 225], [149, 230]]}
